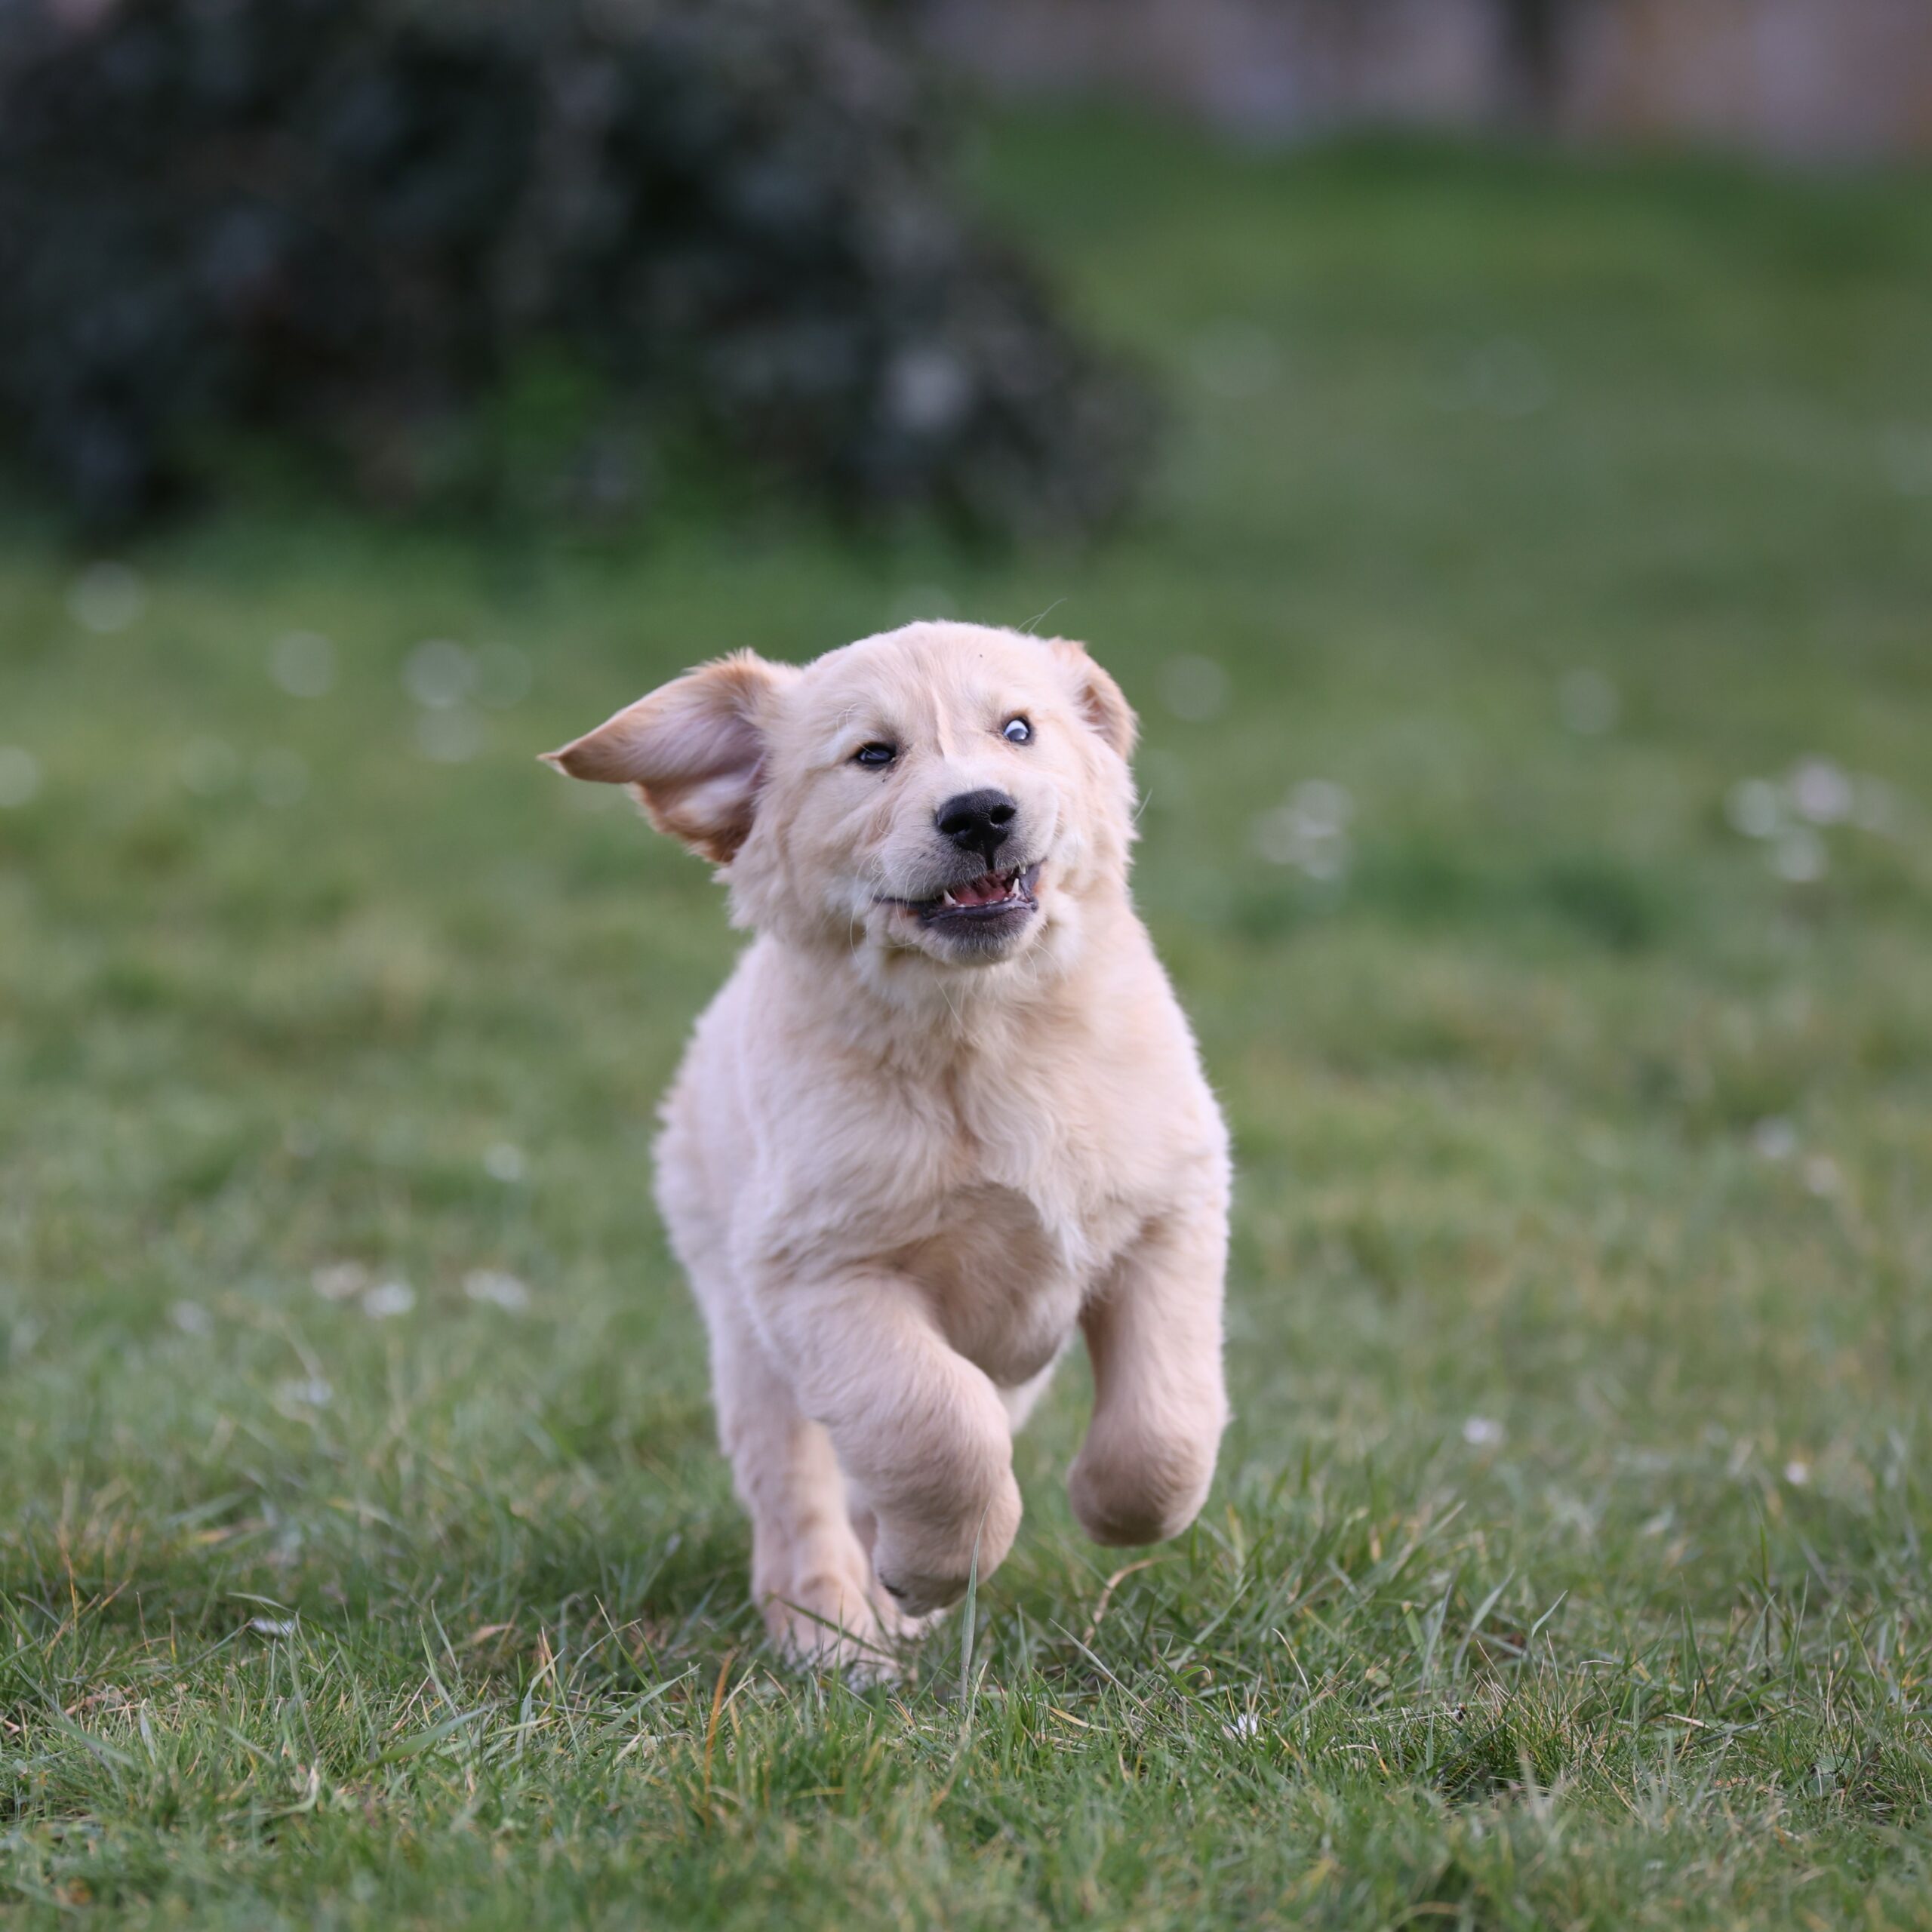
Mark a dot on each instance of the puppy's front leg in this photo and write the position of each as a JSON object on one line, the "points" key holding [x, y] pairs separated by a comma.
{"points": [[921, 1433], [1160, 1402]]}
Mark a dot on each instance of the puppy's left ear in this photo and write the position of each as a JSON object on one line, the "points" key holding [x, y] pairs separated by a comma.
{"points": [[1101, 702], [693, 751]]}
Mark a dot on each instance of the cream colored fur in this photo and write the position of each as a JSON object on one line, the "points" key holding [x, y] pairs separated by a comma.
{"points": [[901, 1168]]}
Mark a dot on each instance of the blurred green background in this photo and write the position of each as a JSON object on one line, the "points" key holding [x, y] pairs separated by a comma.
{"points": [[1528, 627]]}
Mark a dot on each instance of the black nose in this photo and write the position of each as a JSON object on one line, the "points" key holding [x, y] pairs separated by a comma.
{"points": [[976, 822]]}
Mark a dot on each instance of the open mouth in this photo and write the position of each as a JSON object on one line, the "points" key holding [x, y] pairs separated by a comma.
{"points": [[990, 899]]}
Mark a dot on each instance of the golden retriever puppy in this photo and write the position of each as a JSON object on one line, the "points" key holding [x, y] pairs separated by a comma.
{"points": [[946, 1110]]}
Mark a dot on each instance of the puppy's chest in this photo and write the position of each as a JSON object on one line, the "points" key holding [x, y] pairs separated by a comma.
{"points": [[1026, 1218], [1006, 1273], [1005, 1204]]}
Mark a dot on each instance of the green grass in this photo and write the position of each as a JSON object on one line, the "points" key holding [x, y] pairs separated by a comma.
{"points": [[1567, 1565]]}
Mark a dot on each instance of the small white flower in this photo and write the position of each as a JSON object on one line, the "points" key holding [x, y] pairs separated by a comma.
{"points": [[338, 1281], [1753, 808], [497, 1289], [1797, 1473], [505, 1162], [439, 674], [1908, 458], [302, 663], [1246, 1725], [1482, 1432], [1774, 1138], [210, 767], [1820, 792], [106, 596], [1799, 855], [1276, 837], [1589, 703], [19, 776], [1195, 688], [1321, 805], [273, 1626], [387, 1299], [1310, 832], [191, 1318]]}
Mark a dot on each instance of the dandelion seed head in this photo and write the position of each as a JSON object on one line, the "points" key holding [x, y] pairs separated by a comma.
{"points": [[302, 663], [1753, 808], [209, 766], [1799, 855], [495, 1289], [1820, 791], [1821, 1175], [1589, 704], [439, 674], [387, 1299], [505, 1161], [339, 1281], [1195, 689], [20, 776]]}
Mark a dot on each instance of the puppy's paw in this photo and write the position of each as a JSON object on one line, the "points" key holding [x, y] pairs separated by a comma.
{"points": [[826, 1622], [924, 1567], [1139, 1491]]}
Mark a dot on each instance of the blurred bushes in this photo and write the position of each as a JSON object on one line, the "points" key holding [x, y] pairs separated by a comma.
{"points": [[451, 243]]}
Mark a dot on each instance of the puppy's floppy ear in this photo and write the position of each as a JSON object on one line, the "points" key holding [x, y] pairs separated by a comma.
{"points": [[693, 751], [1101, 702]]}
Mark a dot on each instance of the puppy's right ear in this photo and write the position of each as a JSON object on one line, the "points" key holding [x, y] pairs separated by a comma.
{"points": [[693, 751]]}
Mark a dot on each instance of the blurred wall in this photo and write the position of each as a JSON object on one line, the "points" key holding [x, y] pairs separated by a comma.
{"points": [[1803, 78]]}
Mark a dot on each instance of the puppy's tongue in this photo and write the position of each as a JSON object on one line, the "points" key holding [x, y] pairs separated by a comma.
{"points": [[980, 891]]}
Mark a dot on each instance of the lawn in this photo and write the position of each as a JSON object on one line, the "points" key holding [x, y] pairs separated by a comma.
{"points": [[1530, 629]]}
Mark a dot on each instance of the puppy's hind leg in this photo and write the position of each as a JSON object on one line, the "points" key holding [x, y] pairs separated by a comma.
{"points": [[812, 1575]]}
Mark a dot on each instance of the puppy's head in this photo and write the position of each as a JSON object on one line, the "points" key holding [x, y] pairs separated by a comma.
{"points": [[945, 791]]}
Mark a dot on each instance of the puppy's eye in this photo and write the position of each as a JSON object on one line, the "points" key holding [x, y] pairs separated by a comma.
{"points": [[875, 757], [1016, 731]]}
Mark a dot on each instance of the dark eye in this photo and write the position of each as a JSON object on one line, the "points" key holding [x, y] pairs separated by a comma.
{"points": [[875, 757], [1016, 731]]}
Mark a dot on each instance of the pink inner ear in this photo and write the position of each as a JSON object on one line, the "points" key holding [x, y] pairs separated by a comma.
{"points": [[701, 783], [706, 747]]}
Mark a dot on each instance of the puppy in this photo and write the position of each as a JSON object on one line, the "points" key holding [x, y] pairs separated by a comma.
{"points": [[946, 1110]]}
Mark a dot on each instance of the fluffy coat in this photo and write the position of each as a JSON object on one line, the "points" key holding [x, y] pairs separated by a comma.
{"points": [[945, 1111]]}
